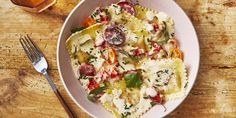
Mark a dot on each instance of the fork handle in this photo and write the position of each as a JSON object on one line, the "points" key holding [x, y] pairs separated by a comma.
{"points": [[58, 94]]}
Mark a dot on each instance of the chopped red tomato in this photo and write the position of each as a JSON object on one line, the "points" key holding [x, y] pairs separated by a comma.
{"points": [[111, 56], [155, 27], [92, 84], [157, 47], [138, 52], [104, 19], [157, 98], [113, 73], [88, 22]]}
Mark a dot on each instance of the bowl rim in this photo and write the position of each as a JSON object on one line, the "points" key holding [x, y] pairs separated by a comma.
{"points": [[66, 88]]}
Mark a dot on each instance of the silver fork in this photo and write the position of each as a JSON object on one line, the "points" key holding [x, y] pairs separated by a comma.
{"points": [[40, 64]]}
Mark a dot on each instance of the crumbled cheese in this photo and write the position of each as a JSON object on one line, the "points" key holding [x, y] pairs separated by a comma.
{"points": [[150, 15], [74, 63], [106, 98], [99, 40], [132, 36], [167, 47], [116, 8], [84, 83], [142, 107], [117, 92], [151, 92], [151, 67], [149, 27], [120, 104], [98, 63]]}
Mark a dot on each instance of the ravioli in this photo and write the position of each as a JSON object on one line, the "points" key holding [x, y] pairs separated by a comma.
{"points": [[128, 59]]}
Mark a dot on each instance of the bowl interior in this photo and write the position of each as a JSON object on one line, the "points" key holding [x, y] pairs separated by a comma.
{"points": [[184, 31]]}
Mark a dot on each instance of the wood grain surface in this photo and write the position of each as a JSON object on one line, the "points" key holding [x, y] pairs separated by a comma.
{"points": [[24, 93]]}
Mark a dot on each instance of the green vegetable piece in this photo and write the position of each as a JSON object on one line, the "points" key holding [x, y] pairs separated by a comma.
{"points": [[133, 80], [98, 90], [166, 33], [92, 98], [77, 29]]}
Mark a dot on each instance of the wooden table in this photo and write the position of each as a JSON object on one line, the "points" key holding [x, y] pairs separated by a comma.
{"points": [[25, 93]]}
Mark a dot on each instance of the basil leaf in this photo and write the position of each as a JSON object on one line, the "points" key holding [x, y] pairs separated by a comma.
{"points": [[98, 90], [133, 80], [77, 29]]}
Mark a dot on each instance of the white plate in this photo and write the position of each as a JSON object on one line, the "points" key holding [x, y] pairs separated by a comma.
{"points": [[184, 31]]}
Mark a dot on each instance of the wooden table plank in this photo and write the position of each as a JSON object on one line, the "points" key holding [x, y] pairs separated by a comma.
{"points": [[25, 93]]}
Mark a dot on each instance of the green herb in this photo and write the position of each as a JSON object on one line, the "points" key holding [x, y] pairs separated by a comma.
{"points": [[133, 80], [82, 77], [101, 51], [153, 103], [186, 85], [145, 97], [124, 115], [157, 80], [115, 6], [122, 67], [74, 53], [126, 62], [77, 29], [159, 73], [128, 107], [92, 59], [98, 90]]}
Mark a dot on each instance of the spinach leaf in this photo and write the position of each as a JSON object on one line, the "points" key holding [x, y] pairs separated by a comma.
{"points": [[133, 80], [98, 90], [77, 29]]}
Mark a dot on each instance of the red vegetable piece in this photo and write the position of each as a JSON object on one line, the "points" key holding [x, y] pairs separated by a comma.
{"points": [[114, 73], [155, 27], [104, 19], [92, 84], [127, 6], [138, 52], [157, 98], [111, 56], [114, 35], [87, 70]]}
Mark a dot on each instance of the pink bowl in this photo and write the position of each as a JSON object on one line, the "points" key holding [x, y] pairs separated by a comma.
{"points": [[184, 31]]}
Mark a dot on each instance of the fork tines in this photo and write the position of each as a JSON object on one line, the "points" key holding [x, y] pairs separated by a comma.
{"points": [[31, 50]]}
